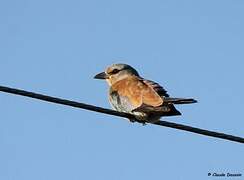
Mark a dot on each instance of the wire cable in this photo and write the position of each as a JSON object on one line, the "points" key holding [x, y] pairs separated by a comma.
{"points": [[119, 114]]}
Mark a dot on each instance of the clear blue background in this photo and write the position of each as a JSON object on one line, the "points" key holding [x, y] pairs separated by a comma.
{"points": [[192, 48]]}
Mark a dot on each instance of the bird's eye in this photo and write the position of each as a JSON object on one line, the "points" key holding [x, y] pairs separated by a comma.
{"points": [[114, 71]]}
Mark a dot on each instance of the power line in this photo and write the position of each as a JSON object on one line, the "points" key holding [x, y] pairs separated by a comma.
{"points": [[120, 114]]}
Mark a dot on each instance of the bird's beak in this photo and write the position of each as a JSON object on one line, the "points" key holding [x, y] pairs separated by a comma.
{"points": [[101, 75]]}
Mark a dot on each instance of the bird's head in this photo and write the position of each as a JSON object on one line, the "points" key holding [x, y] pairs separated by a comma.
{"points": [[117, 72]]}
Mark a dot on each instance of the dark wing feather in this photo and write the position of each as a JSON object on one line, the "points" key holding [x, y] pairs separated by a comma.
{"points": [[156, 87]]}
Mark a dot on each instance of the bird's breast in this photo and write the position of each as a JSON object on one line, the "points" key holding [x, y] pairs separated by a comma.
{"points": [[120, 103]]}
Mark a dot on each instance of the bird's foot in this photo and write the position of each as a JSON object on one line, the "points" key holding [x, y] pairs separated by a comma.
{"points": [[139, 121], [132, 120], [144, 123]]}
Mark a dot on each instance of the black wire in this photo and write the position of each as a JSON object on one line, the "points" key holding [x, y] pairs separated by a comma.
{"points": [[120, 114]]}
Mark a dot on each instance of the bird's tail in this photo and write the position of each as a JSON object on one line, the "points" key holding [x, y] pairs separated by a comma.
{"points": [[179, 100]]}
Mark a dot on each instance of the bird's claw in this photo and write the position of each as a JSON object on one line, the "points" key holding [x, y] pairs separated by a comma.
{"points": [[132, 120], [144, 123]]}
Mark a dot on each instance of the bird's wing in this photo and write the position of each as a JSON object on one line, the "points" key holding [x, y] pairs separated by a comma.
{"points": [[139, 92], [139, 95], [165, 108]]}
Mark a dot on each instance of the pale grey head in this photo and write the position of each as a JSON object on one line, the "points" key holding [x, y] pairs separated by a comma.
{"points": [[117, 72]]}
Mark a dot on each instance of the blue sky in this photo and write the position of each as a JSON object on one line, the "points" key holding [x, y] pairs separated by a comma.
{"points": [[192, 48]]}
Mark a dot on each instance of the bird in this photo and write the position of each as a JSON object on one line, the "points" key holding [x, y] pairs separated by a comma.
{"points": [[133, 94]]}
